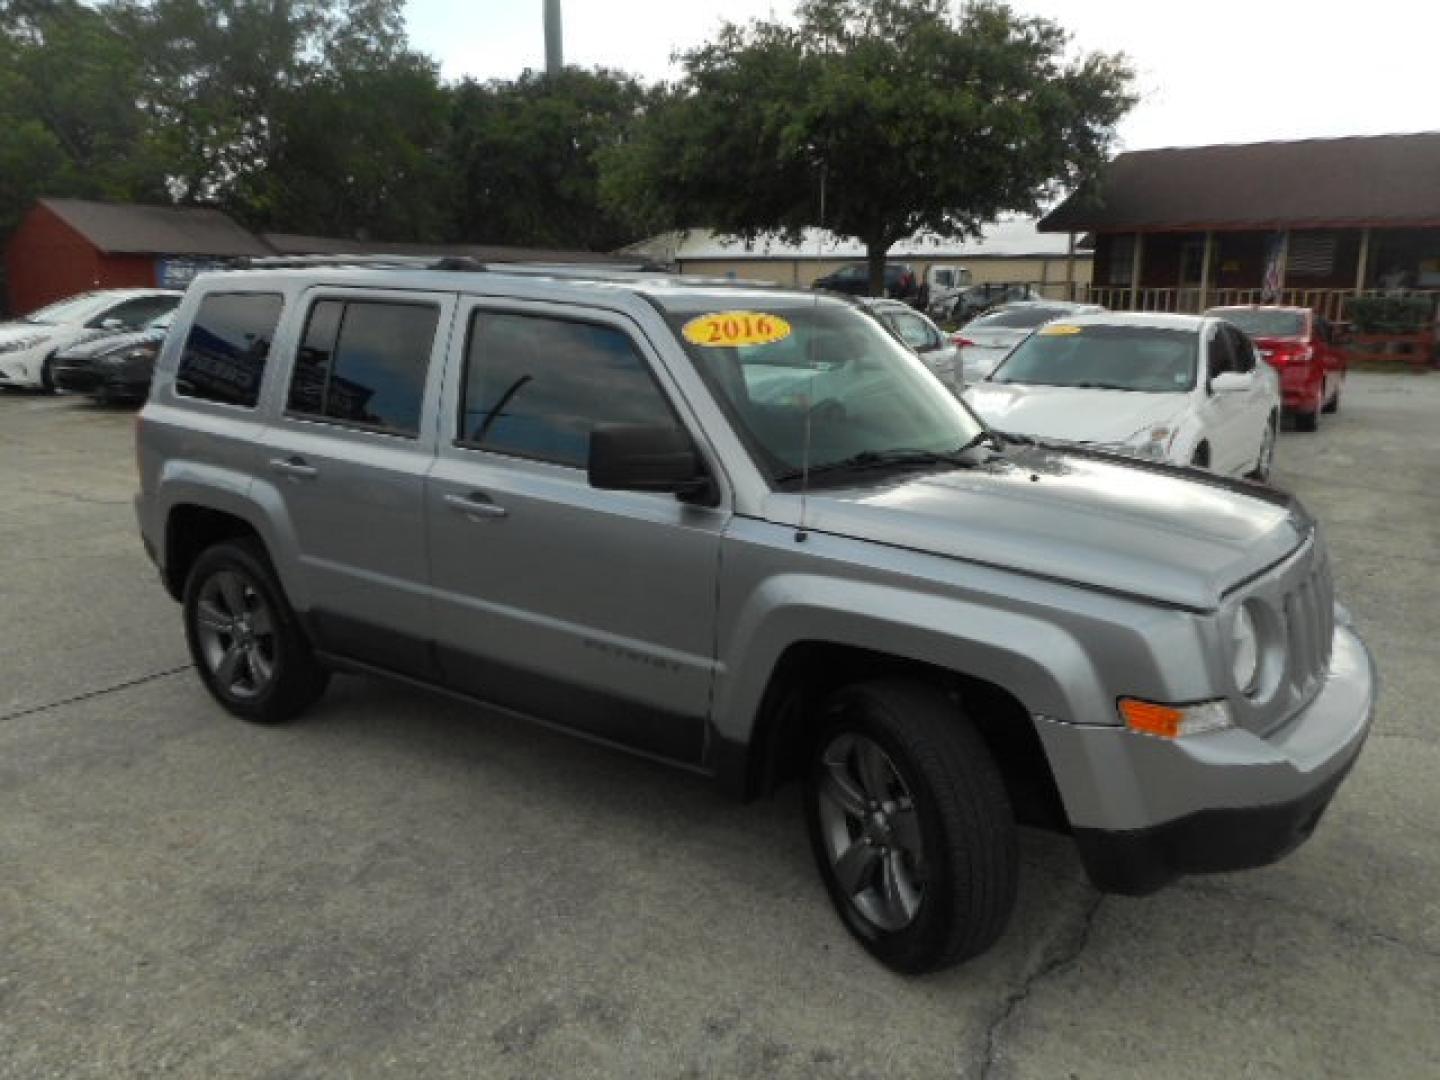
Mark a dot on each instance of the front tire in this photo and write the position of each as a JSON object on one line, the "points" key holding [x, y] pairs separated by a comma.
{"points": [[245, 640], [47, 375], [1265, 461], [1333, 405], [910, 825]]}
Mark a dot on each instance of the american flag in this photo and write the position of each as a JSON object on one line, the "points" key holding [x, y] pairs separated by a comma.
{"points": [[1274, 269]]}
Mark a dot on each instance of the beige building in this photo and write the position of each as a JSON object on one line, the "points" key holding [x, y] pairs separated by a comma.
{"points": [[1011, 251]]}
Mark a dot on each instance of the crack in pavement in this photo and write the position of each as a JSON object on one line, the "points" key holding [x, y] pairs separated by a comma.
{"points": [[73, 699], [1068, 950]]}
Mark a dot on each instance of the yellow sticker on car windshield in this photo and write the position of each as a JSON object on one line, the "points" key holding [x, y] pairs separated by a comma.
{"points": [[726, 329], [1059, 330]]}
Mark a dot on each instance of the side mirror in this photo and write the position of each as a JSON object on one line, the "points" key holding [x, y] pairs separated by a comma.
{"points": [[1230, 382], [645, 457]]}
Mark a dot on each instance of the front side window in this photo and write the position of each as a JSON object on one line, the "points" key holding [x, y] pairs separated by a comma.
{"points": [[914, 331], [227, 346], [1090, 356], [536, 386], [363, 362]]}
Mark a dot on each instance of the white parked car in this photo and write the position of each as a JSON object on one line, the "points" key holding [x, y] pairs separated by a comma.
{"points": [[1175, 388], [988, 339], [28, 344], [935, 350]]}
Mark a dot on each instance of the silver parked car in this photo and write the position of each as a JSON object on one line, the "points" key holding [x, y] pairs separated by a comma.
{"points": [[935, 349], [742, 530], [987, 340]]}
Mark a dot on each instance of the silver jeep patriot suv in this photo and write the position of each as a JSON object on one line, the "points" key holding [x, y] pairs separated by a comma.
{"points": [[744, 530]]}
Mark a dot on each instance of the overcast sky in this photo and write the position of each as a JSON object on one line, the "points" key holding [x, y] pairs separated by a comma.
{"points": [[1214, 71]]}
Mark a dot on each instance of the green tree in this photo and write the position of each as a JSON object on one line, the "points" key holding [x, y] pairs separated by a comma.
{"points": [[357, 152], [527, 155], [68, 122], [902, 117]]}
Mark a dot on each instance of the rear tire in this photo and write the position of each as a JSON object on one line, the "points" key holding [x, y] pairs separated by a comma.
{"points": [[910, 825], [1333, 405], [247, 644], [1307, 421]]}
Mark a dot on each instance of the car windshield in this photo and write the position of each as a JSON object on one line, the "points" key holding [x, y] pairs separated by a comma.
{"points": [[1152, 359], [822, 374], [1017, 318], [1265, 322], [70, 310]]}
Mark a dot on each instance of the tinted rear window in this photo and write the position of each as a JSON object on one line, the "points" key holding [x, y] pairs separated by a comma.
{"points": [[1018, 318], [1259, 322], [364, 362], [226, 349]]}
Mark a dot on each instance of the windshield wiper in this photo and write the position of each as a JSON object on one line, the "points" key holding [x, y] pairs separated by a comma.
{"points": [[881, 459]]}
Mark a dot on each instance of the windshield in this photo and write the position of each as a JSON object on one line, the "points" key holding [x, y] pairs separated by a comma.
{"points": [[1265, 322], [1152, 359], [72, 309], [836, 374], [1018, 318]]}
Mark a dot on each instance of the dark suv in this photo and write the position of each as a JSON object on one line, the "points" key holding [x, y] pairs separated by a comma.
{"points": [[854, 279]]}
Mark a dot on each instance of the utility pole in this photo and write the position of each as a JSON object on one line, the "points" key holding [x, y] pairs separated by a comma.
{"points": [[554, 38]]}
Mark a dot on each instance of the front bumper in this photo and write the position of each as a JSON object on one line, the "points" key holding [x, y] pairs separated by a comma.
{"points": [[21, 368], [115, 380], [1146, 810]]}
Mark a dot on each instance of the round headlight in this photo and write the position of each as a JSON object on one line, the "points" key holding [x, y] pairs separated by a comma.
{"points": [[1244, 650]]}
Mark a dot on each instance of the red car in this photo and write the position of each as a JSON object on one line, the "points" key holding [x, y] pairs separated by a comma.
{"points": [[1301, 346]]}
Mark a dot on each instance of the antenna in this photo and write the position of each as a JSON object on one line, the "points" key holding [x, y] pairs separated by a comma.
{"points": [[800, 534]]}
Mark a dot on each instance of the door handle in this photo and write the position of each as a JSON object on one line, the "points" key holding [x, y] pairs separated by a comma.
{"points": [[295, 467], [476, 505]]}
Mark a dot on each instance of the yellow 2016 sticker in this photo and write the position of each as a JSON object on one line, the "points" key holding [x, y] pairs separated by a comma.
{"points": [[726, 329], [1059, 330]]}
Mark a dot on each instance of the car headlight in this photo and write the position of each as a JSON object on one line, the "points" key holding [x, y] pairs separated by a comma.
{"points": [[135, 354], [1152, 442], [22, 343], [1244, 650]]}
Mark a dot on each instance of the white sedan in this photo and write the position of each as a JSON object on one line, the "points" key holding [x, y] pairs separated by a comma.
{"points": [[27, 344], [1173, 388]]}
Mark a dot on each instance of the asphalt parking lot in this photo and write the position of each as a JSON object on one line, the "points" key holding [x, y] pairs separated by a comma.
{"points": [[402, 885]]}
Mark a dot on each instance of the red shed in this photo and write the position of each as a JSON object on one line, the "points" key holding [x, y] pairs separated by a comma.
{"points": [[66, 246]]}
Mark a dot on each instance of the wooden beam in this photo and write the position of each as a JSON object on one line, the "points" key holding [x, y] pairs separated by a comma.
{"points": [[1205, 260], [1070, 268], [1136, 265], [1362, 264]]}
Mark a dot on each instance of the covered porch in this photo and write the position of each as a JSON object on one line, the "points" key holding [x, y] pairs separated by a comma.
{"points": [[1322, 269]]}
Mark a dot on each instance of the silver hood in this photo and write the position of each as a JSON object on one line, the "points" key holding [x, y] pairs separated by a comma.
{"points": [[1143, 530]]}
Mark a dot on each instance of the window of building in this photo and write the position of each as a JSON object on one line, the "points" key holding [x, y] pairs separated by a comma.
{"points": [[536, 386], [226, 349], [364, 362], [1311, 255]]}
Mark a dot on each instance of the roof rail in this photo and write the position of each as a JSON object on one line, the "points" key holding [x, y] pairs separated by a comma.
{"points": [[412, 262]]}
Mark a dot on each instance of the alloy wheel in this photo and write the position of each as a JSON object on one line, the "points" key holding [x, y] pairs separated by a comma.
{"points": [[235, 629], [870, 831]]}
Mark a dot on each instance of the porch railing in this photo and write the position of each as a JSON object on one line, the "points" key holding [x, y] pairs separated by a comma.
{"points": [[1328, 303]]}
